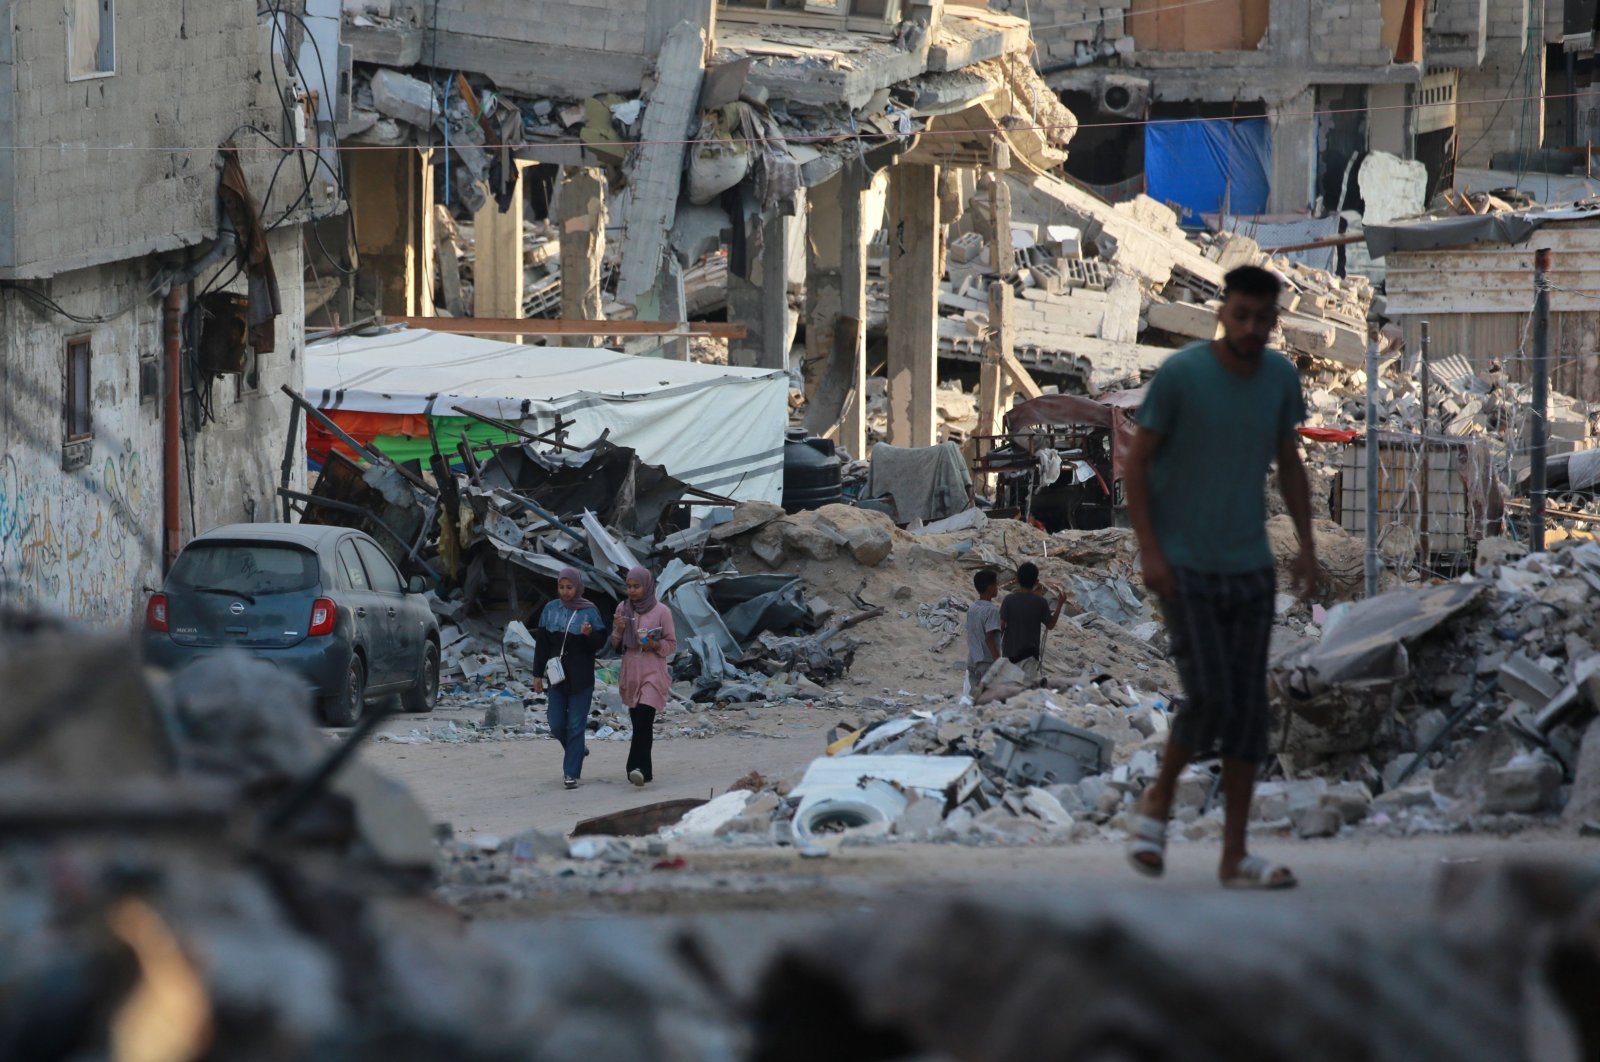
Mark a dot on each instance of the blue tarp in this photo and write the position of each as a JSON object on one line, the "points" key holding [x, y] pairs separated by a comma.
{"points": [[1209, 166]]}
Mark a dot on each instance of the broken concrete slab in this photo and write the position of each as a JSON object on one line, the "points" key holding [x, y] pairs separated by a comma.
{"points": [[655, 169], [390, 44], [405, 98], [1352, 800], [1527, 681], [868, 534], [1185, 319], [1526, 785], [1584, 803], [1318, 821]]}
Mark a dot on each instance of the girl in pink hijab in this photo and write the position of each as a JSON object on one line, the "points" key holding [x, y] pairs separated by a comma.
{"points": [[643, 631]]}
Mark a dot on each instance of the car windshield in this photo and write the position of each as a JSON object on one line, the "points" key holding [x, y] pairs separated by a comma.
{"points": [[244, 568]]}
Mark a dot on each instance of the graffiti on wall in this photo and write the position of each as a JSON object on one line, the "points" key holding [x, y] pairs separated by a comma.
{"points": [[73, 543]]}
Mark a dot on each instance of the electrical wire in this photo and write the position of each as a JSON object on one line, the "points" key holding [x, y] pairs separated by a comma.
{"points": [[279, 33], [45, 301], [801, 138]]}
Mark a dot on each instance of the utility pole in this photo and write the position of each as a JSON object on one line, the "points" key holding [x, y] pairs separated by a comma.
{"points": [[1538, 487], [1372, 462], [1424, 544]]}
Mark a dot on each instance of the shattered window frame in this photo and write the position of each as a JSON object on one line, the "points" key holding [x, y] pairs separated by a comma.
{"points": [[103, 63], [77, 407]]}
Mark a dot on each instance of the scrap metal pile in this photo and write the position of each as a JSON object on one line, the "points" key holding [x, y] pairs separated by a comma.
{"points": [[493, 527], [1463, 701]]}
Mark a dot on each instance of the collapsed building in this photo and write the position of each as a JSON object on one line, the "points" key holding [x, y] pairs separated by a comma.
{"points": [[1320, 112]]}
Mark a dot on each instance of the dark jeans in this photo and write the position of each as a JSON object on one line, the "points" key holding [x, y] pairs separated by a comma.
{"points": [[644, 722], [569, 724]]}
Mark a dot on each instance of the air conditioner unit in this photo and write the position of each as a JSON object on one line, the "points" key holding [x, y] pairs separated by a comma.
{"points": [[1121, 96]]}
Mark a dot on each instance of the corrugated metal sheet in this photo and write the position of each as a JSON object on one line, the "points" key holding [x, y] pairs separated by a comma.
{"points": [[1478, 301], [1486, 278]]}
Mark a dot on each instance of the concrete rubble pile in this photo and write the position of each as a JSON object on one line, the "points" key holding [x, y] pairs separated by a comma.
{"points": [[194, 871], [1104, 293], [1464, 705], [191, 866], [945, 979], [1468, 705], [1008, 762], [1482, 417]]}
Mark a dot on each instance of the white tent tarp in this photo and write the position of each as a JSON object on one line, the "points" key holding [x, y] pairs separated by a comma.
{"points": [[716, 427]]}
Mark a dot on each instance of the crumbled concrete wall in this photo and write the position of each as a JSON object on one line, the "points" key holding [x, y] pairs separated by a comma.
{"points": [[1348, 33], [1490, 106], [85, 542], [186, 76], [554, 47], [1458, 34], [1065, 29]]}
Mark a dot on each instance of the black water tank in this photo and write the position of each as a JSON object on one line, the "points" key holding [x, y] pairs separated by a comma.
{"points": [[811, 473]]}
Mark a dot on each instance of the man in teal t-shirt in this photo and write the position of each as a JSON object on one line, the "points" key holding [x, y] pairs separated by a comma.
{"points": [[1214, 419]]}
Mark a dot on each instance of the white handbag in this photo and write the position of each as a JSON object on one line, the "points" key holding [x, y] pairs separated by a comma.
{"points": [[554, 672]]}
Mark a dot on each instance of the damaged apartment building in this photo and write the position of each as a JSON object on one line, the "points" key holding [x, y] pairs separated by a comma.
{"points": [[769, 162], [151, 256], [1317, 108], [867, 195]]}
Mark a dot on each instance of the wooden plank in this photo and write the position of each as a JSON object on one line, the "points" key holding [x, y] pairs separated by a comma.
{"points": [[1021, 379], [520, 326], [1218, 28], [992, 378], [498, 272], [1255, 17]]}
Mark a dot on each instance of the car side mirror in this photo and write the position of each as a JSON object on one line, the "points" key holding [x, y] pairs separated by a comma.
{"points": [[416, 585]]}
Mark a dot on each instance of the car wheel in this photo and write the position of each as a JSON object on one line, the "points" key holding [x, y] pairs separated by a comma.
{"points": [[423, 696], [344, 708]]}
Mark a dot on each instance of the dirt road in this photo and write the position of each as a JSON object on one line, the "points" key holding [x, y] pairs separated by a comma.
{"points": [[502, 787]]}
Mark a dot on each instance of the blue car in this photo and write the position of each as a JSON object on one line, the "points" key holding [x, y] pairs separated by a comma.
{"points": [[322, 602]]}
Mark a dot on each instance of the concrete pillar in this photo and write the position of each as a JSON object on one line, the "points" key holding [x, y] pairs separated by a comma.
{"points": [[759, 300], [744, 303], [856, 229], [655, 168], [916, 240], [824, 260], [582, 222], [1389, 121], [775, 332], [385, 199], [1294, 155], [836, 295], [1002, 329], [497, 271]]}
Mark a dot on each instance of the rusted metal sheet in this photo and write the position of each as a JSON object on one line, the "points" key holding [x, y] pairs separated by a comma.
{"points": [[637, 822]]}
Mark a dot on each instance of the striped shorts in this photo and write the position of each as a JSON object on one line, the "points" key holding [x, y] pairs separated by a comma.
{"points": [[1220, 625]]}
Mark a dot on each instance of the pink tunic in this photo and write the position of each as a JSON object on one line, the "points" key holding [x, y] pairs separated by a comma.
{"points": [[645, 678]]}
